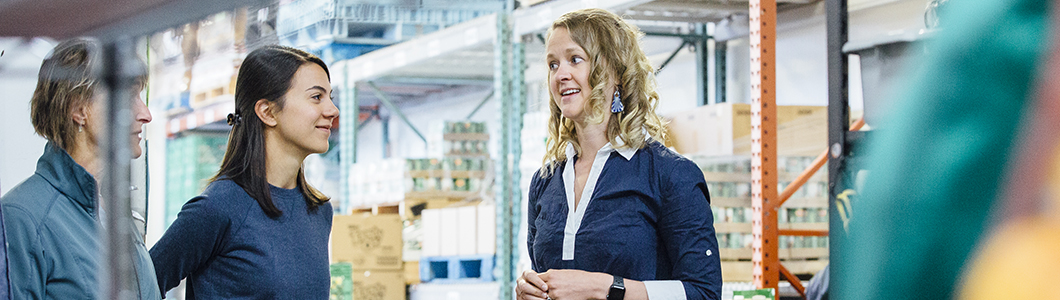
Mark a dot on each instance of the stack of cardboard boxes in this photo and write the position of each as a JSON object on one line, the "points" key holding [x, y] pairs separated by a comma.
{"points": [[407, 209], [370, 245], [725, 129]]}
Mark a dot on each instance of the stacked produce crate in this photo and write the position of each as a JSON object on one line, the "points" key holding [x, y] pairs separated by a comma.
{"points": [[718, 138], [457, 172], [407, 182], [464, 139], [455, 178], [728, 179]]}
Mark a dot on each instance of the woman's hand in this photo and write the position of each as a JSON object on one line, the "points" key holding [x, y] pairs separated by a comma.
{"points": [[530, 286], [576, 284]]}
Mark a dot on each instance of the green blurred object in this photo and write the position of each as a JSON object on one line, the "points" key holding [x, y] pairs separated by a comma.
{"points": [[191, 159], [762, 294], [936, 166], [341, 281]]}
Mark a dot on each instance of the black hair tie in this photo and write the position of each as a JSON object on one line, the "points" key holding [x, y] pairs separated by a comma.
{"points": [[234, 119]]}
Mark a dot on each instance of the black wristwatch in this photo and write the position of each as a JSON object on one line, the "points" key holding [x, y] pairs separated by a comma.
{"points": [[618, 289]]}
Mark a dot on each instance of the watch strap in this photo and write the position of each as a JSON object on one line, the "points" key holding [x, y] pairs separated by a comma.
{"points": [[618, 289]]}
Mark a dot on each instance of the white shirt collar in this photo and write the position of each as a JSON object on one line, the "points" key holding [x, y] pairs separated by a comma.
{"points": [[626, 152]]}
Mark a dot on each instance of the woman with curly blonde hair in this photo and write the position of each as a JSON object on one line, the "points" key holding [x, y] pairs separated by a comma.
{"points": [[632, 220]]}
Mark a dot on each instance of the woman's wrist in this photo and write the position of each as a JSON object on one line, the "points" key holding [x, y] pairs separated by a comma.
{"points": [[605, 285]]}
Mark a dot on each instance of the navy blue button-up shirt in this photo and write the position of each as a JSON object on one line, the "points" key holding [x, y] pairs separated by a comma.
{"points": [[648, 218]]}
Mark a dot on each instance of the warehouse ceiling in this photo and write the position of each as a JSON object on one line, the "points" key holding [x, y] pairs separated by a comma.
{"points": [[62, 19], [474, 65]]}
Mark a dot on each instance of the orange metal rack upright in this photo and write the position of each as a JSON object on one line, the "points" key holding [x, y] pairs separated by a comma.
{"points": [[765, 200], [763, 16]]}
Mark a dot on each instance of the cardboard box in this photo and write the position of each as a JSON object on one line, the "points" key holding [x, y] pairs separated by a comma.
{"points": [[467, 230], [378, 285], [367, 241], [412, 272], [432, 223], [448, 234], [725, 129]]}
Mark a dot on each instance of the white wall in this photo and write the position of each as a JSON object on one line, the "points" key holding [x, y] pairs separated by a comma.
{"points": [[802, 68], [19, 146]]}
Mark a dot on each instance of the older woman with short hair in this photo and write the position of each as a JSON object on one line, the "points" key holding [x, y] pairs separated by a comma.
{"points": [[52, 219]]}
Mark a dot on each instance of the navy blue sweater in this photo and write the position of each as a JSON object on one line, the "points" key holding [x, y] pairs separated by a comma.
{"points": [[229, 249], [648, 219]]}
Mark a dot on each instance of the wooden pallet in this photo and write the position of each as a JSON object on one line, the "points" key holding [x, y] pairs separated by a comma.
{"points": [[404, 207], [741, 271]]}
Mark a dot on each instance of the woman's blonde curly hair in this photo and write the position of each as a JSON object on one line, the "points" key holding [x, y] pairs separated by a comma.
{"points": [[613, 48]]}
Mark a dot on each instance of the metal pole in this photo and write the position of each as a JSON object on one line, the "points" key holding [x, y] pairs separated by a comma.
{"points": [[721, 49], [118, 273], [480, 104], [764, 199], [385, 122], [390, 105], [504, 271], [838, 118], [515, 128], [702, 66], [348, 136], [375, 113], [671, 57]]}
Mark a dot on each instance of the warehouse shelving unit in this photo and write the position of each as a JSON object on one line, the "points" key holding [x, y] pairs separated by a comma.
{"points": [[842, 137], [497, 38]]}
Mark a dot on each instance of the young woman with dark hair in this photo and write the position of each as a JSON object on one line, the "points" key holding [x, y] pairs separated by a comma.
{"points": [[259, 230]]}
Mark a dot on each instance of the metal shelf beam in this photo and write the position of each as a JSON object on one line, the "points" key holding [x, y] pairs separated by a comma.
{"points": [[349, 114], [506, 227]]}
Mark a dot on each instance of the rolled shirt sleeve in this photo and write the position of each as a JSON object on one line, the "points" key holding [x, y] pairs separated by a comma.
{"points": [[686, 227]]}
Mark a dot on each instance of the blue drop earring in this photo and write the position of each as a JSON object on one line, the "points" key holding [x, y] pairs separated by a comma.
{"points": [[616, 102]]}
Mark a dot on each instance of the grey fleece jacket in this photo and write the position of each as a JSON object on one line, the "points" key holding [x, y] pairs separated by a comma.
{"points": [[53, 234]]}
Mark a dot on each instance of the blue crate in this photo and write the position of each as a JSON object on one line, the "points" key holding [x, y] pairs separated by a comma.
{"points": [[456, 269]]}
